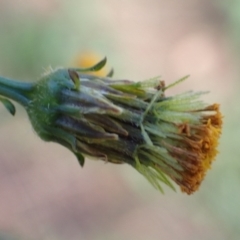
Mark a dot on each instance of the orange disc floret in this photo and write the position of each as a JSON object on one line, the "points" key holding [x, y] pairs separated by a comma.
{"points": [[197, 148], [209, 133]]}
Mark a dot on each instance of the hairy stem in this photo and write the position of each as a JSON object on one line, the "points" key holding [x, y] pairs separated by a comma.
{"points": [[15, 90]]}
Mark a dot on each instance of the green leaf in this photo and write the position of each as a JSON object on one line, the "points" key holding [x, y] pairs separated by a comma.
{"points": [[9, 106]]}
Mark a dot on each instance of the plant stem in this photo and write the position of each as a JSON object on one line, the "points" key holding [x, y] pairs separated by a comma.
{"points": [[15, 90]]}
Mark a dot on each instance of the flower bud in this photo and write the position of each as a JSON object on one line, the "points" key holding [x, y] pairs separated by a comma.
{"points": [[121, 121]]}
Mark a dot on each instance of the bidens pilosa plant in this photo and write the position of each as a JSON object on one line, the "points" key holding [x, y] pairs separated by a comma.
{"points": [[121, 121]]}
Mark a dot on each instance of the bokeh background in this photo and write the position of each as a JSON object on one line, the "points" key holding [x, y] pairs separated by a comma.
{"points": [[44, 193]]}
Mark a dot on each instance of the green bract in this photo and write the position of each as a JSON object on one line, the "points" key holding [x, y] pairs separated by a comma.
{"points": [[122, 121]]}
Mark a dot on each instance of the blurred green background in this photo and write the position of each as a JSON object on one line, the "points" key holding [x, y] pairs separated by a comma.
{"points": [[44, 194]]}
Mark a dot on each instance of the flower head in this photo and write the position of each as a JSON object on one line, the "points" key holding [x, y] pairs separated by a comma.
{"points": [[122, 121]]}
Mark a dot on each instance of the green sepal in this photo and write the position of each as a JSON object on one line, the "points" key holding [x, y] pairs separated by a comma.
{"points": [[69, 110], [133, 89], [110, 74], [154, 175], [62, 135], [80, 158], [9, 106], [69, 141], [94, 68], [75, 78], [175, 83]]}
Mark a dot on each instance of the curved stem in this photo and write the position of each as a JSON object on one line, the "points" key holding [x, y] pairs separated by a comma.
{"points": [[15, 90], [14, 95], [15, 84]]}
